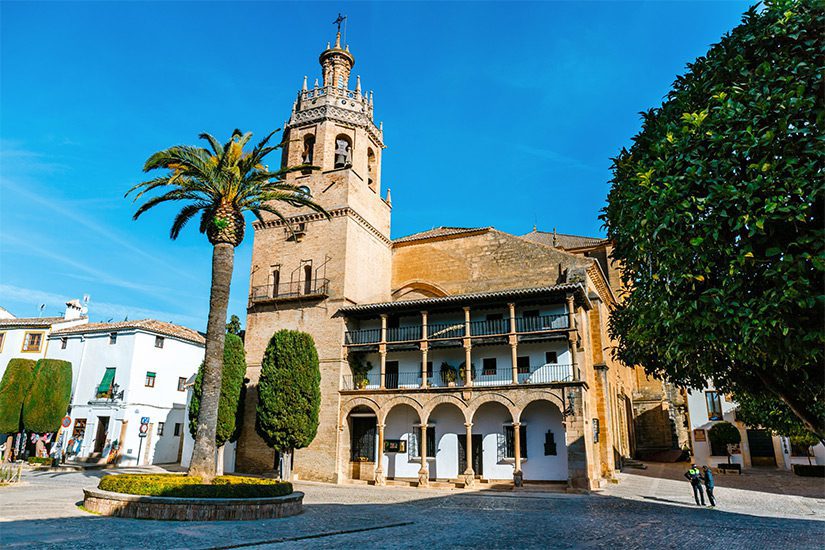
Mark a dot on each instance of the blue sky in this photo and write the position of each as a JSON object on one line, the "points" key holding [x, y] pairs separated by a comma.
{"points": [[502, 114]]}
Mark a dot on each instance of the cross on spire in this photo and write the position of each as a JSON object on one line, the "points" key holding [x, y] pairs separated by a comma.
{"points": [[340, 19]]}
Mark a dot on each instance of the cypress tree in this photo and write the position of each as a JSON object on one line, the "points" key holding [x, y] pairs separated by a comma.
{"points": [[48, 398], [289, 392], [229, 405], [14, 388]]}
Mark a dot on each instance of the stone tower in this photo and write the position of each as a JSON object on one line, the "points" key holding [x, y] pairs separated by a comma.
{"points": [[301, 277]]}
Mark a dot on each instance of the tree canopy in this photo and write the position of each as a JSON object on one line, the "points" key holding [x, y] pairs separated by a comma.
{"points": [[716, 214], [229, 405], [14, 387], [289, 391], [47, 400], [234, 326]]}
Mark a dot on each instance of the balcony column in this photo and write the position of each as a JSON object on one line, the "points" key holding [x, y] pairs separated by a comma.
{"points": [[468, 347], [382, 350], [513, 342], [424, 471], [424, 350], [469, 473], [379, 463], [518, 477], [572, 338]]}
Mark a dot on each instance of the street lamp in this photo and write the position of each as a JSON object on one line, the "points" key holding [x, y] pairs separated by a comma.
{"points": [[115, 394]]}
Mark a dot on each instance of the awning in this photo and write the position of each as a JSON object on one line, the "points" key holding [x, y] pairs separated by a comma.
{"points": [[106, 383]]}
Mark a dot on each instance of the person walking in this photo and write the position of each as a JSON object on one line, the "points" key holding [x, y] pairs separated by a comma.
{"points": [[694, 475], [707, 476]]}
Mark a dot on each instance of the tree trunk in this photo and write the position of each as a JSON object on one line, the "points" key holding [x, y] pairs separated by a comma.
{"points": [[286, 465], [9, 447], [203, 454]]}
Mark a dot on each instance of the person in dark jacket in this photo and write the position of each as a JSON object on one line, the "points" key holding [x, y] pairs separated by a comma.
{"points": [[707, 476], [694, 475]]}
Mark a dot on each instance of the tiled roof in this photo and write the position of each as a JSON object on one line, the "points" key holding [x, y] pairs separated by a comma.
{"points": [[562, 240], [470, 298], [148, 325], [40, 322], [439, 232]]}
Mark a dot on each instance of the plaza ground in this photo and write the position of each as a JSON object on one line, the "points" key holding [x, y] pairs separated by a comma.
{"points": [[650, 508]]}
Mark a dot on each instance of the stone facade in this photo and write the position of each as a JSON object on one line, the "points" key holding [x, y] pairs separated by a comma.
{"points": [[531, 313]]}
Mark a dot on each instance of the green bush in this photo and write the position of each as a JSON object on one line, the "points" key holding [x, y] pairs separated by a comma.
{"points": [[40, 460], [48, 398], [183, 486], [289, 391], [17, 380], [230, 406]]}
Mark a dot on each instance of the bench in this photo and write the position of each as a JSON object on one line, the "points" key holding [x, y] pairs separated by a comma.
{"points": [[724, 467]]}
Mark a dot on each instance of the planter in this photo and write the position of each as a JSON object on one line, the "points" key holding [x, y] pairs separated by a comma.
{"points": [[122, 505], [809, 470]]}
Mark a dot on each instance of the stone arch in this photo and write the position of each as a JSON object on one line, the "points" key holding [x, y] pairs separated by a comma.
{"points": [[347, 407], [551, 396], [444, 399], [418, 288], [494, 398], [399, 400]]}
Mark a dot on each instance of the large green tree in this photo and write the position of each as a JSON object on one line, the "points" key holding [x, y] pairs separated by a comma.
{"points": [[218, 183], [716, 212], [14, 387], [47, 400], [289, 393], [233, 371]]}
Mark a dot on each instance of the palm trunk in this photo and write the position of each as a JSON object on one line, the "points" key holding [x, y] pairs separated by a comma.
{"points": [[203, 454]]}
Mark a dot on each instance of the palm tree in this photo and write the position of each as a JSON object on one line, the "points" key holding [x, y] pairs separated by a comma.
{"points": [[219, 184]]}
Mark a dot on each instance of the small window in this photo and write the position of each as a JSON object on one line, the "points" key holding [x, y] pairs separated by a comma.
{"points": [[308, 279], [150, 379], [113, 338], [32, 341], [714, 403], [160, 427], [489, 366], [64, 342], [276, 280], [510, 441], [530, 313], [550, 358], [341, 81], [181, 384], [2, 339], [523, 365], [309, 149], [159, 341], [177, 428]]}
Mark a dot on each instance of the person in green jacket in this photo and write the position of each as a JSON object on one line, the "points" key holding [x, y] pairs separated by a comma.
{"points": [[707, 476]]}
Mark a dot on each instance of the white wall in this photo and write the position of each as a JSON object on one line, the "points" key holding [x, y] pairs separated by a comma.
{"points": [[13, 342], [539, 417], [489, 421]]}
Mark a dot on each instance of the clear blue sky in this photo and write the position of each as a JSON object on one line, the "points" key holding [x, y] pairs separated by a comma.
{"points": [[502, 114]]}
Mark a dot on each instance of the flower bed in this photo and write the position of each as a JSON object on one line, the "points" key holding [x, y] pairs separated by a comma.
{"points": [[183, 486]]}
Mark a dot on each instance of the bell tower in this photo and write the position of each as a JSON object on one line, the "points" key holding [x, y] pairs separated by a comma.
{"points": [[301, 277]]}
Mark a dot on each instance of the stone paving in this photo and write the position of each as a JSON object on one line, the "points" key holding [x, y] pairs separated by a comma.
{"points": [[642, 511]]}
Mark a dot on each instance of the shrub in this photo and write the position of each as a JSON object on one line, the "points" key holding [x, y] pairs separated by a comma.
{"points": [[183, 486], [229, 405], [724, 433], [448, 373], [40, 460], [289, 392], [14, 387], [807, 470], [48, 398]]}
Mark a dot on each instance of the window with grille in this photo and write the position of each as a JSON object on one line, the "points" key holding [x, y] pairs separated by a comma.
{"points": [[550, 357], [150, 379], [32, 341], [714, 403], [510, 441], [160, 427], [415, 448], [523, 365], [181, 384], [362, 441], [489, 366], [159, 341]]}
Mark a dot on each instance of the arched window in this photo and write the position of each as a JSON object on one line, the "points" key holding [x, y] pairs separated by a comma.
{"points": [[309, 149], [308, 279], [343, 151], [341, 81], [371, 168]]}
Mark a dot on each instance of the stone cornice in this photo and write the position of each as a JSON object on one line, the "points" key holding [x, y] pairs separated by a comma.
{"points": [[316, 216], [337, 114]]}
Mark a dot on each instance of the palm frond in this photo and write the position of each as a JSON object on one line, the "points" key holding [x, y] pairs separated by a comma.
{"points": [[214, 143], [174, 195], [186, 213]]}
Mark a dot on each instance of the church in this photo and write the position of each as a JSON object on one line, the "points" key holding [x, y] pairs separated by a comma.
{"points": [[450, 357]]}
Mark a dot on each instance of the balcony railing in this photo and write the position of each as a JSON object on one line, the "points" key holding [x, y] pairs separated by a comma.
{"points": [[502, 376], [314, 288], [447, 331]]}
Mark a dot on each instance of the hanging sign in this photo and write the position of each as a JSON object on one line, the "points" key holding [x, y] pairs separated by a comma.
{"points": [[395, 446]]}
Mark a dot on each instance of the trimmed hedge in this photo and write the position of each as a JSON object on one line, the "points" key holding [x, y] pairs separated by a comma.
{"points": [[230, 405], [48, 399], [184, 486], [13, 391], [40, 460]]}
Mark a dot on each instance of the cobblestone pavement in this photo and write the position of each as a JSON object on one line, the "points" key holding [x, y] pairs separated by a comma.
{"points": [[640, 512]]}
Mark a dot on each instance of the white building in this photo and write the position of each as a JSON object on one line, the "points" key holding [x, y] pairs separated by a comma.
{"points": [[27, 337], [122, 373], [758, 448]]}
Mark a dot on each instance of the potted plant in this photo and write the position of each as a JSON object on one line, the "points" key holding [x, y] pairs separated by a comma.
{"points": [[461, 371], [448, 374], [359, 369]]}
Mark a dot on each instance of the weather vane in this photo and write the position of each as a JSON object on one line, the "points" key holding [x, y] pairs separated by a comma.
{"points": [[340, 19]]}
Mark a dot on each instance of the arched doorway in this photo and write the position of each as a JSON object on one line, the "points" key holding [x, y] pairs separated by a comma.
{"points": [[446, 423], [402, 430], [546, 451], [492, 420], [362, 424]]}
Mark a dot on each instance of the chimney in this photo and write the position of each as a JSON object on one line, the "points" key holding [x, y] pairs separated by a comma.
{"points": [[73, 310]]}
